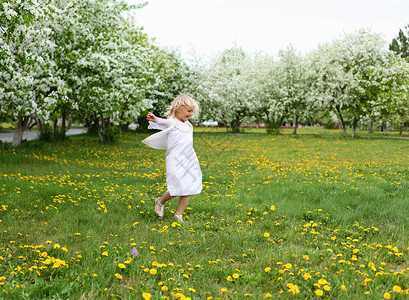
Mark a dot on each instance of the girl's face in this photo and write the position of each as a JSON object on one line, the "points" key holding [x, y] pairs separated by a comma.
{"points": [[183, 113]]}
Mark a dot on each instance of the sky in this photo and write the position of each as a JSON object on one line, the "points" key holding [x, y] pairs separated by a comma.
{"points": [[207, 27]]}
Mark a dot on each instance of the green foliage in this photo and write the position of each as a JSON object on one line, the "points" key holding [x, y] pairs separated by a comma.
{"points": [[46, 133], [111, 134], [5, 145], [400, 44]]}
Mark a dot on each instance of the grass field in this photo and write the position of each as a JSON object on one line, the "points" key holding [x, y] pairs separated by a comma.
{"points": [[279, 217]]}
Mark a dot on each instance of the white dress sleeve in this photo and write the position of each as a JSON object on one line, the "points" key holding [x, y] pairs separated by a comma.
{"points": [[159, 140], [161, 124]]}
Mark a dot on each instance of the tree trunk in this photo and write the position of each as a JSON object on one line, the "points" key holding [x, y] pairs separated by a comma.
{"points": [[99, 129], [55, 124], [39, 123], [354, 123], [269, 124], [18, 134], [122, 116], [400, 129], [371, 127], [237, 124], [342, 120], [226, 125], [63, 121], [279, 124], [295, 125]]}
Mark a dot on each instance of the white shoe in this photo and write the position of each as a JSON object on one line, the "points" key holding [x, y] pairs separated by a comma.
{"points": [[179, 218], [161, 212]]}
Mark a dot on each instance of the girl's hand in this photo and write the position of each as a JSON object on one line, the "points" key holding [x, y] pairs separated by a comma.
{"points": [[151, 117]]}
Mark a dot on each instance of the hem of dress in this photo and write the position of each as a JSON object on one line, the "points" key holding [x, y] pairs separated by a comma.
{"points": [[180, 194]]}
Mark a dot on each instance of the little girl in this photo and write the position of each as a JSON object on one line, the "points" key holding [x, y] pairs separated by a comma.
{"points": [[183, 174]]}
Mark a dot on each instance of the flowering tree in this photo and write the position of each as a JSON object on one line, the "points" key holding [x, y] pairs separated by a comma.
{"points": [[294, 85], [264, 78], [222, 90], [26, 66], [364, 52], [85, 57], [357, 78], [389, 97], [330, 81], [174, 78], [105, 62]]}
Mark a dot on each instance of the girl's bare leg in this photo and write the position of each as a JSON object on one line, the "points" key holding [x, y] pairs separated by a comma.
{"points": [[183, 200], [165, 197]]}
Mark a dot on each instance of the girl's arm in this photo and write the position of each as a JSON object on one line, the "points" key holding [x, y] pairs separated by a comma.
{"points": [[159, 121]]}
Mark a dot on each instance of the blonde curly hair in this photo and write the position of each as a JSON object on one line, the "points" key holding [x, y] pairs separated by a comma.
{"points": [[183, 101]]}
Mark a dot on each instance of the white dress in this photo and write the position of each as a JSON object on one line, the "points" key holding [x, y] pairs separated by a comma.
{"points": [[183, 174]]}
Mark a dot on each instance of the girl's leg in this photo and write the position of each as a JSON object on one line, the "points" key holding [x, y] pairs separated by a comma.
{"points": [[183, 200], [162, 200], [165, 197]]}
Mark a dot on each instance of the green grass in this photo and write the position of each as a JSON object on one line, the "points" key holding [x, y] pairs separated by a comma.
{"points": [[313, 131], [6, 126], [279, 216]]}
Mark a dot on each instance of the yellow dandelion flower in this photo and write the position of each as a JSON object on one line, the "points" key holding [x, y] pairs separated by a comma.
{"points": [[266, 234], [164, 288], [146, 296], [105, 253], [268, 269], [288, 266], [397, 289], [319, 293], [343, 287], [223, 290], [153, 271], [229, 278], [292, 288], [387, 296], [235, 275], [117, 275], [122, 266]]}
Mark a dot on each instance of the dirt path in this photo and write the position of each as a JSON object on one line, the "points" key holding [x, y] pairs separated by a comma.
{"points": [[7, 136]]}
